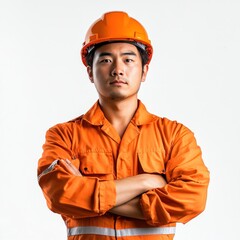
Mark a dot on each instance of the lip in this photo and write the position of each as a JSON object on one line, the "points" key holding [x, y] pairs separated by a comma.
{"points": [[118, 82]]}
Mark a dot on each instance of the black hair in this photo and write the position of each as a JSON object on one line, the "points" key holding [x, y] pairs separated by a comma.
{"points": [[89, 57]]}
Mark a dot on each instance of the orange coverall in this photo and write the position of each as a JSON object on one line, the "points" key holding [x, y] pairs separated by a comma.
{"points": [[150, 145]]}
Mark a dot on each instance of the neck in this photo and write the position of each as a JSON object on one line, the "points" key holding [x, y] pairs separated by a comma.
{"points": [[119, 113]]}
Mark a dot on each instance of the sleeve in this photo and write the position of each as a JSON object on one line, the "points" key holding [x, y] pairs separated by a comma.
{"points": [[184, 196], [67, 194]]}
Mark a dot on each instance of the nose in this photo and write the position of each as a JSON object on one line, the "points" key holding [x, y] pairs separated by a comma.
{"points": [[118, 69]]}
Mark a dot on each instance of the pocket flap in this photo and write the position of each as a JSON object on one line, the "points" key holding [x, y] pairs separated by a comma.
{"points": [[152, 161], [96, 163]]}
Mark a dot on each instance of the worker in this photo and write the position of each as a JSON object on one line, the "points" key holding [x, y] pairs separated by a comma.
{"points": [[118, 171]]}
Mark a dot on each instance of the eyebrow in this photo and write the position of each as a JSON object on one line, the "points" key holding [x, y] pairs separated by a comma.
{"points": [[103, 54]]}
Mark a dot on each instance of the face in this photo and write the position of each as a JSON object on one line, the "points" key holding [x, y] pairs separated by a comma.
{"points": [[117, 71]]}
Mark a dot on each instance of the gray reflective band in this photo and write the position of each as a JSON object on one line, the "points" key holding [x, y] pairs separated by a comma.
{"points": [[121, 232], [145, 231], [91, 230], [49, 169]]}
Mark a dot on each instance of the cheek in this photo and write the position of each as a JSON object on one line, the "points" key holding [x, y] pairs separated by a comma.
{"points": [[137, 74], [99, 78], [99, 73]]}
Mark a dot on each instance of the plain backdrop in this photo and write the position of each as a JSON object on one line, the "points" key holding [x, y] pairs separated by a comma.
{"points": [[193, 78]]}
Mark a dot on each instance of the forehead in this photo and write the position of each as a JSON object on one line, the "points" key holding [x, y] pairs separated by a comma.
{"points": [[118, 47]]}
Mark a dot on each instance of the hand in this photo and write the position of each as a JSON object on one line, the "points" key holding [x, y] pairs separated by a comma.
{"points": [[69, 167]]}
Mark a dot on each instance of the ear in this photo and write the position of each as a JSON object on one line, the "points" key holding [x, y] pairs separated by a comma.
{"points": [[144, 72], [90, 75]]}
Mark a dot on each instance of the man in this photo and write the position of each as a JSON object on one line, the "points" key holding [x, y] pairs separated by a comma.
{"points": [[119, 172]]}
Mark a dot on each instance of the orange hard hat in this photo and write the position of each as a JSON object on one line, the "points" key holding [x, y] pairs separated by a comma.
{"points": [[113, 27]]}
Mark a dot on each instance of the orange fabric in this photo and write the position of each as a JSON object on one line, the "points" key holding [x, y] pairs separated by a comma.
{"points": [[150, 144]]}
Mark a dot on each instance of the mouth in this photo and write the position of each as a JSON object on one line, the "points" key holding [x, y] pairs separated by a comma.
{"points": [[118, 82]]}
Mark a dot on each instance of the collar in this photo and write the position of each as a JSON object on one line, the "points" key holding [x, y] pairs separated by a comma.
{"points": [[95, 115]]}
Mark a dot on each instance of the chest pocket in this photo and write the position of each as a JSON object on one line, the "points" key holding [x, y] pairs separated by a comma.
{"points": [[152, 161], [97, 164]]}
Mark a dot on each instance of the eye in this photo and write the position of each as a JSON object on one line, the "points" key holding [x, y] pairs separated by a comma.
{"points": [[105, 60], [129, 60]]}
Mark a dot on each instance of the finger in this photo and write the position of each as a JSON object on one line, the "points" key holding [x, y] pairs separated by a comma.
{"points": [[69, 167], [74, 170], [64, 165]]}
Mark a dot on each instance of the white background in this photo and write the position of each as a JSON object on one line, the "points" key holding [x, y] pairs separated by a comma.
{"points": [[193, 78]]}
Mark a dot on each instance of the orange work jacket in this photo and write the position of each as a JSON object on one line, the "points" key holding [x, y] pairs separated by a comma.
{"points": [[150, 144]]}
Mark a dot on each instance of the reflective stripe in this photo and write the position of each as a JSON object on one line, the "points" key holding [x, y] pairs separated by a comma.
{"points": [[49, 169], [145, 231], [121, 232], [91, 230]]}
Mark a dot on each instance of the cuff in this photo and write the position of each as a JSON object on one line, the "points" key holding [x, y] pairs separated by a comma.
{"points": [[107, 196]]}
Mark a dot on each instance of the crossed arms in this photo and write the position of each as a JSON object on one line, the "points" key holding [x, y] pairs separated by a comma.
{"points": [[128, 190]]}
